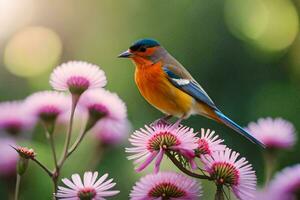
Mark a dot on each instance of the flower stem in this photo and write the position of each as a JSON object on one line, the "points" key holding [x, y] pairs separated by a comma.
{"points": [[219, 193], [53, 150], [88, 127], [43, 167], [17, 186], [76, 143], [75, 99], [270, 164], [51, 141], [55, 182], [184, 170]]}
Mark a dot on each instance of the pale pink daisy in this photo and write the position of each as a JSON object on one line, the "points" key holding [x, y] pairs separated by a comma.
{"points": [[166, 185], [208, 143], [274, 133], [8, 157], [111, 131], [48, 105], [14, 119], [228, 170], [77, 77], [285, 185], [102, 104], [152, 142], [89, 189]]}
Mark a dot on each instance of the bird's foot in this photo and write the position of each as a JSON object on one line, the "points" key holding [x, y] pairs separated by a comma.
{"points": [[161, 121], [177, 123]]}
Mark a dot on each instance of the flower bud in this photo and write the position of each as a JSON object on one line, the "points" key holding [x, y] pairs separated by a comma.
{"points": [[24, 155], [22, 166]]}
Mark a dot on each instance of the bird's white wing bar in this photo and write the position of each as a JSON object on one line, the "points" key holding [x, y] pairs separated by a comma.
{"points": [[181, 82], [190, 87]]}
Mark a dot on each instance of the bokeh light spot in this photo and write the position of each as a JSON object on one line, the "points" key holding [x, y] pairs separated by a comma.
{"points": [[32, 51], [268, 25], [294, 59], [15, 14], [246, 19]]}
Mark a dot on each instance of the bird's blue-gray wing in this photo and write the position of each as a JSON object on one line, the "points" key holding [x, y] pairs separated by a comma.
{"points": [[189, 86]]}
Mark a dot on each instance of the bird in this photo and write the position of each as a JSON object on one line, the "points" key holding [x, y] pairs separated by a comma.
{"points": [[167, 85]]}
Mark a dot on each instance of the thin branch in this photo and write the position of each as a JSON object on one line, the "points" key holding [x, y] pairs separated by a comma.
{"points": [[76, 143], [225, 194], [17, 189], [219, 193], [52, 145], [202, 170], [184, 170], [43, 167], [69, 132]]}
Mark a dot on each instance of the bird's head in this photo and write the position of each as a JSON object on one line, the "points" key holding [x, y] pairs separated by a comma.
{"points": [[143, 52]]}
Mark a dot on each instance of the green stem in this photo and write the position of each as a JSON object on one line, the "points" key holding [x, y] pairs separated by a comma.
{"points": [[17, 186], [219, 193], [270, 164], [76, 143], [90, 124], [43, 167], [55, 182], [184, 170], [75, 99], [52, 145]]}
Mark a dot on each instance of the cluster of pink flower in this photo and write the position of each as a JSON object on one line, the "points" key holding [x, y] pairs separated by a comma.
{"points": [[79, 87], [198, 155], [204, 156]]}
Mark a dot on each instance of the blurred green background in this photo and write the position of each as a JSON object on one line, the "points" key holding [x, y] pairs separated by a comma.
{"points": [[244, 53]]}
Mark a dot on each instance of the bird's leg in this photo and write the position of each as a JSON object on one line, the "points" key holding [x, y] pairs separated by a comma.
{"points": [[162, 121], [177, 123]]}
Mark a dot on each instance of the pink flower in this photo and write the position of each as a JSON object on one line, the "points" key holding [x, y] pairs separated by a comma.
{"points": [[227, 170], [111, 131], [48, 105], [209, 143], [166, 185], [77, 77], [274, 133], [14, 119], [103, 104], [89, 189], [152, 142], [285, 185], [8, 157]]}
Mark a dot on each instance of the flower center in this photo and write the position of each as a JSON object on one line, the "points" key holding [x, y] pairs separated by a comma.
{"points": [[13, 127], [203, 147], [49, 113], [166, 191], [225, 173], [97, 111], [162, 139], [86, 193], [78, 84]]}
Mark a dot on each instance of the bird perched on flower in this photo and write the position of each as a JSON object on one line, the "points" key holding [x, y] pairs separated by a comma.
{"points": [[169, 87]]}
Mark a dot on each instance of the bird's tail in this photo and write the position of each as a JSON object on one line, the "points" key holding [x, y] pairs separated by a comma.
{"points": [[231, 124]]}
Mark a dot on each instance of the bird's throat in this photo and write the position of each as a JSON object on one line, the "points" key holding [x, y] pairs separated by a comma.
{"points": [[141, 62]]}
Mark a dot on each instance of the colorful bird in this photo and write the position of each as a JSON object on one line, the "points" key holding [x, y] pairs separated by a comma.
{"points": [[170, 88]]}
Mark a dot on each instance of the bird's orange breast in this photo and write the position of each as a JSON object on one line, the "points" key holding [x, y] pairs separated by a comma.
{"points": [[158, 91]]}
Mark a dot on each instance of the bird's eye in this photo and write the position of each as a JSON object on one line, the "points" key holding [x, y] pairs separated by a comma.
{"points": [[142, 49]]}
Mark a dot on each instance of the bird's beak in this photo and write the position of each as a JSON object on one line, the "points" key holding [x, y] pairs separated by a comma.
{"points": [[125, 54]]}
